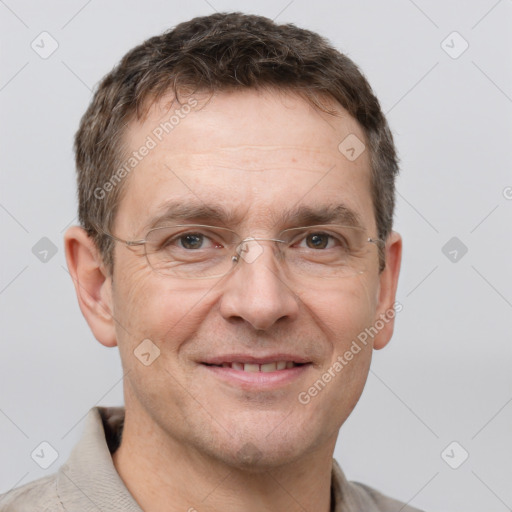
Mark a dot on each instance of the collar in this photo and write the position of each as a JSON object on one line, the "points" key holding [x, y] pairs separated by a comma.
{"points": [[89, 481]]}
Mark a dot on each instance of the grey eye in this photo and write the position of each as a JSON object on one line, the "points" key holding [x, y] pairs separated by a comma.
{"points": [[192, 240]]}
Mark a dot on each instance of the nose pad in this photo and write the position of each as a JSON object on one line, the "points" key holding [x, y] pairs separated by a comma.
{"points": [[249, 250]]}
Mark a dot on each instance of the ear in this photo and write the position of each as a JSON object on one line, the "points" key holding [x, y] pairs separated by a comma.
{"points": [[92, 283], [386, 309]]}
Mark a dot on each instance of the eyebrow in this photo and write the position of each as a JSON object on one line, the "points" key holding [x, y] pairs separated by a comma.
{"points": [[301, 215], [325, 214]]}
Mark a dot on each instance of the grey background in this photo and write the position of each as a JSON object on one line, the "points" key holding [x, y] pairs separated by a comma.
{"points": [[446, 374]]}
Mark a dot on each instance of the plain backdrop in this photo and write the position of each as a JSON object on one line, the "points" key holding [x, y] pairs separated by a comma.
{"points": [[442, 71]]}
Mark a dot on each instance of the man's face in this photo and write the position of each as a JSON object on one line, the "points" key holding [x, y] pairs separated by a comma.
{"points": [[255, 156]]}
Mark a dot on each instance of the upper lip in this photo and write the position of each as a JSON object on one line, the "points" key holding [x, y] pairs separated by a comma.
{"points": [[249, 358]]}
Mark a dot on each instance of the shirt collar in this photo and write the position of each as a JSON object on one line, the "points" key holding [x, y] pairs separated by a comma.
{"points": [[89, 481]]}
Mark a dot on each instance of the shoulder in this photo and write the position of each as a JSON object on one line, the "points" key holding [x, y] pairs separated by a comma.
{"points": [[353, 496], [37, 496], [383, 503]]}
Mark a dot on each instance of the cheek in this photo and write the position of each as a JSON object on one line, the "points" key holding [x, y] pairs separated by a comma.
{"points": [[343, 310], [343, 313], [150, 306]]}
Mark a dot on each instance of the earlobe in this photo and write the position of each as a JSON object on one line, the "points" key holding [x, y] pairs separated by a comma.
{"points": [[92, 284], [386, 307]]}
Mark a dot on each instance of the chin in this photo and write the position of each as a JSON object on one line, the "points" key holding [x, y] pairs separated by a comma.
{"points": [[259, 452], [261, 457]]}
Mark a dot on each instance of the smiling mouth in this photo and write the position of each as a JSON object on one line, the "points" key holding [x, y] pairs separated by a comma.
{"points": [[256, 367]]}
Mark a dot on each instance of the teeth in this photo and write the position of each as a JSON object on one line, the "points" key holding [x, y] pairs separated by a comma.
{"points": [[269, 367], [254, 367]]}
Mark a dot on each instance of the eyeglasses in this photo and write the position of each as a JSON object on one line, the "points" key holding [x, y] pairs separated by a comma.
{"points": [[198, 251]]}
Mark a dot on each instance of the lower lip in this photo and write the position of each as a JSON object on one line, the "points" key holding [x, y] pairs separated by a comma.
{"points": [[258, 380]]}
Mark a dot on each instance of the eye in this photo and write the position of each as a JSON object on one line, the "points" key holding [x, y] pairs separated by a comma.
{"points": [[317, 241], [191, 241], [320, 241]]}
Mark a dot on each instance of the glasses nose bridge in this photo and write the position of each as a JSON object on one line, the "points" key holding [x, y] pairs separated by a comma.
{"points": [[241, 248]]}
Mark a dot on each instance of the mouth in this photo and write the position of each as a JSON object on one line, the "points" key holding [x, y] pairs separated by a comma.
{"points": [[269, 367], [257, 374]]}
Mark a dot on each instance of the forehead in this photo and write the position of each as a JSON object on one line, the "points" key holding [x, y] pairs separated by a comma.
{"points": [[250, 153]]}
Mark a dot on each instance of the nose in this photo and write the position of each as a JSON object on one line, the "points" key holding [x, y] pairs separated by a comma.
{"points": [[255, 291]]}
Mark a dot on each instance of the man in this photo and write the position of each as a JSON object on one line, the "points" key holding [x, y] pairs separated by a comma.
{"points": [[236, 197]]}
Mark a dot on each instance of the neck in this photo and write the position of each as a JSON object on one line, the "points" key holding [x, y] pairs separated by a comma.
{"points": [[165, 475]]}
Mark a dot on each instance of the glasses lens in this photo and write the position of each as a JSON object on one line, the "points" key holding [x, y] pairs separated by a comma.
{"points": [[327, 251], [191, 251]]}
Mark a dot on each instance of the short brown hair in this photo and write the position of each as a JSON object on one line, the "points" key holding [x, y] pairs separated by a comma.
{"points": [[224, 51]]}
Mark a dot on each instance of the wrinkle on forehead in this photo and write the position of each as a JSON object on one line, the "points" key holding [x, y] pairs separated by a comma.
{"points": [[260, 158]]}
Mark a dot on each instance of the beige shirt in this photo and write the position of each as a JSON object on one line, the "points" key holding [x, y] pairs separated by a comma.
{"points": [[88, 481]]}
